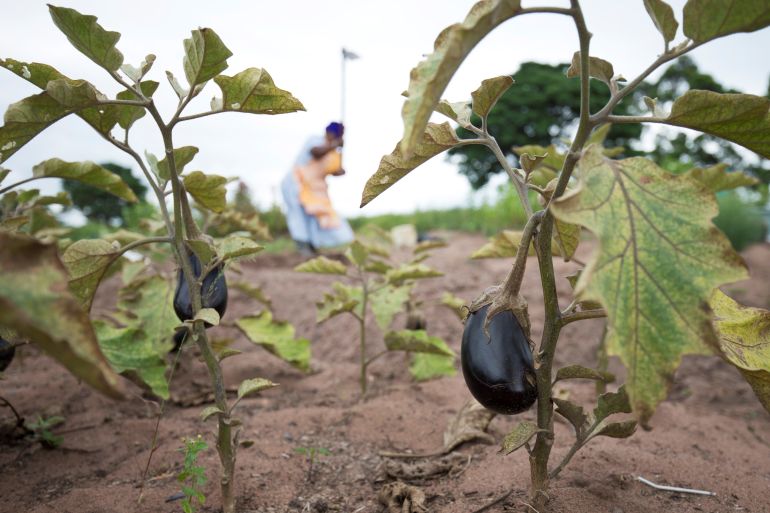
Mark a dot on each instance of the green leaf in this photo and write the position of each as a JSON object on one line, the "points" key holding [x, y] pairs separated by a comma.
{"points": [[459, 112], [76, 94], [386, 302], [88, 37], [136, 74], [428, 245], [554, 159], [611, 403], [132, 353], [659, 257], [254, 91], [597, 68], [128, 115], [3, 173], [235, 246], [717, 178], [741, 118], [710, 19], [146, 303], [322, 265], [503, 245], [454, 303], [205, 56], [25, 119], [277, 337], [182, 157], [208, 411], [87, 262], [744, 341], [520, 435], [416, 341], [436, 139], [573, 280], [344, 299], [208, 190], [254, 292], [252, 386], [616, 429], [486, 96], [203, 250], [567, 238], [36, 303], [87, 173], [357, 254], [425, 366], [431, 76], [580, 372], [574, 414], [208, 315], [663, 17], [407, 272]]}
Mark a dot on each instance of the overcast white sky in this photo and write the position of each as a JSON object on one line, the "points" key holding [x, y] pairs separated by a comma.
{"points": [[299, 42]]}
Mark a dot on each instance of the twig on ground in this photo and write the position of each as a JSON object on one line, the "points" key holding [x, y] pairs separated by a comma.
{"points": [[673, 488]]}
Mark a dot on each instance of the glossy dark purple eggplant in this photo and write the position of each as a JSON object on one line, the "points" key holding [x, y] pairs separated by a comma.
{"points": [[213, 291], [498, 369], [7, 351]]}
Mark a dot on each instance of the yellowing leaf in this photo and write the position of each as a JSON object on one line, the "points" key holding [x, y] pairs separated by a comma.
{"points": [[277, 337], [87, 262], [597, 68], [393, 167], [709, 19], [744, 341], [386, 302], [88, 37], [663, 17], [520, 435], [208, 190], [425, 366], [431, 76], [254, 91], [146, 303], [87, 173], [411, 272], [205, 56], [486, 96], [416, 341], [658, 259], [717, 178], [252, 386], [235, 246], [27, 118], [182, 157], [322, 265]]}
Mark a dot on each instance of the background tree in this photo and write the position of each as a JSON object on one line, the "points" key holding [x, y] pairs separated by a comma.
{"points": [[101, 206]]}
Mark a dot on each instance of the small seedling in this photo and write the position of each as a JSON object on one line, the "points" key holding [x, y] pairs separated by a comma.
{"points": [[41, 431], [192, 476], [311, 453]]}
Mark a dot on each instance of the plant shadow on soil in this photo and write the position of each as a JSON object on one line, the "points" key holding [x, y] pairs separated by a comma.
{"points": [[710, 434]]}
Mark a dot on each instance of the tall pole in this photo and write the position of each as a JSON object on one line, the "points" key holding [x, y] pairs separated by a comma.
{"points": [[342, 99]]}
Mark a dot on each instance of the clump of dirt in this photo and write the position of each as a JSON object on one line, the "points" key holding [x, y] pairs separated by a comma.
{"points": [[711, 434]]}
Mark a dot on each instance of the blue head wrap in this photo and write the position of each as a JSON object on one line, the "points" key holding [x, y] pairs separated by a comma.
{"points": [[336, 129]]}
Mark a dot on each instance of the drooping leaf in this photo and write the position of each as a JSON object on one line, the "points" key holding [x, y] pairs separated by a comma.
{"points": [[520, 435], [128, 115], [597, 68], [393, 167], [486, 96], [130, 351], [254, 385], [386, 302], [236, 246], [580, 372], [322, 265], [208, 411], [77, 95], [416, 341], [663, 17], [36, 303], [611, 403], [503, 245], [335, 304], [253, 291], [254, 91], [182, 157], [744, 341], [407, 272], [740, 118], [428, 245], [454, 303], [87, 261], [27, 118], [616, 429], [431, 76], [659, 257], [425, 366], [277, 337], [88, 173], [88, 37], [208, 190], [709, 19], [717, 178], [205, 56], [575, 414], [208, 315]]}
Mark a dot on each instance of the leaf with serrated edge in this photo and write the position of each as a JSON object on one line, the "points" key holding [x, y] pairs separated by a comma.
{"points": [[322, 265], [87, 173], [663, 17], [580, 372], [208, 411], [486, 96], [597, 68], [253, 91], [88, 37], [717, 178], [87, 262], [386, 302], [653, 297], [130, 351], [708, 19], [36, 303], [430, 77], [436, 139], [208, 190], [611, 403], [252, 386], [744, 341], [277, 337], [520, 435], [425, 366], [416, 341], [236, 246], [205, 56]]}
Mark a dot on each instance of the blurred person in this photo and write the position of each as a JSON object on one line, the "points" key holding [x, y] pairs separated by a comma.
{"points": [[311, 219]]}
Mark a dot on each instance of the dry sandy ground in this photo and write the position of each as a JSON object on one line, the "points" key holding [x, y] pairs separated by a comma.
{"points": [[711, 434]]}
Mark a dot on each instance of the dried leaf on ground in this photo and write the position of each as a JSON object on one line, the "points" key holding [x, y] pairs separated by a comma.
{"points": [[470, 423]]}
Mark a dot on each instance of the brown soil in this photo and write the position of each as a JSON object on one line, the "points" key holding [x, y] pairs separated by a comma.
{"points": [[711, 434]]}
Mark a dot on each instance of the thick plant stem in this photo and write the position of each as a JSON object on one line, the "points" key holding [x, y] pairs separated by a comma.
{"points": [[512, 284]]}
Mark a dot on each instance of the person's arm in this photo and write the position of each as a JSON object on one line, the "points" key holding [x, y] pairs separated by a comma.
{"points": [[339, 172], [319, 151]]}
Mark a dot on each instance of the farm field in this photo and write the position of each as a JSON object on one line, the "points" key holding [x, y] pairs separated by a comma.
{"points": [[711, 434]]}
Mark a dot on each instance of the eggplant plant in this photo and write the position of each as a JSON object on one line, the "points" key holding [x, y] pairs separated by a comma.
{"points": [[47, 291], [655, 272], [384, 287]]}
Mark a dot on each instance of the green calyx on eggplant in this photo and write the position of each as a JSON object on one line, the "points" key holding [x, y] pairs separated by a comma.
{"points": [[213, 294], [497, 360], [7, 352]]}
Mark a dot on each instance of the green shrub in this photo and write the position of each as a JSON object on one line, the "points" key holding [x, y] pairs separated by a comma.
{"points": [[741, 221]]}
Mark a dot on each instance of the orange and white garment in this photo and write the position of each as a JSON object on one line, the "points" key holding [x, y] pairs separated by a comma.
{"points": [[313, 191]]}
